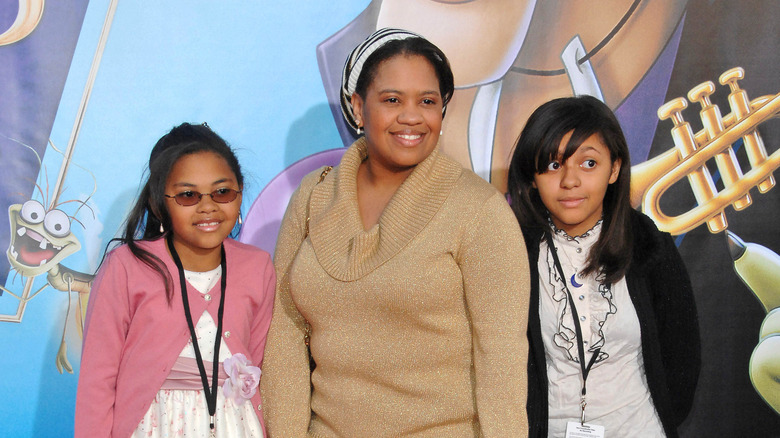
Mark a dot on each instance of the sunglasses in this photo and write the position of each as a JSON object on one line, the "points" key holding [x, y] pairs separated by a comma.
{"points": [[191, 197]]}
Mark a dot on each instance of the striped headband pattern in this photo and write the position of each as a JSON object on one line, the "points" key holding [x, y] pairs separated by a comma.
{"points": [[356, 60]]}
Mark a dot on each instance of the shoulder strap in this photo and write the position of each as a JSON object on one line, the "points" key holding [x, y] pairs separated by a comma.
{"points": [[324, 173]]}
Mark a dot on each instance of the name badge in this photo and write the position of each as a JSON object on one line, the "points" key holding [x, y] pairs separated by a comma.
{"points": [[574, 429]]}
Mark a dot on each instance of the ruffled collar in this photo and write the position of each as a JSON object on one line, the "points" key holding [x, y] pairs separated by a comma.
{"points": [[343, 248], [593, 231]]}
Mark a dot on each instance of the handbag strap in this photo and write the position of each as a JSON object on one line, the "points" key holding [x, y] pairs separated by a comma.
{"points": [[324, 173]]}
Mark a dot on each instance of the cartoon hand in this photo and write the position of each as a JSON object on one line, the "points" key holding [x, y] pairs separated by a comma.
{"points": [[759, 268], [62, 361], [765, 361]]}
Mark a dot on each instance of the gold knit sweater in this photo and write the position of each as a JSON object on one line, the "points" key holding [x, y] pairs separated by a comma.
{"points": [[417, 325]]}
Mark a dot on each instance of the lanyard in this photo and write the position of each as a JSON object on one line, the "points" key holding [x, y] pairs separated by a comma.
{"points": [[210, 393], [577, 329]]}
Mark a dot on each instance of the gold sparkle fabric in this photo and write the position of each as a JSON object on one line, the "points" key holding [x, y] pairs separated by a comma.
{"points": [[417, 325]]}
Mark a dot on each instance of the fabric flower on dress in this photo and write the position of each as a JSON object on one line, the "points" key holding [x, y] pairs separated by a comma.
{"points": [[242, 380]]}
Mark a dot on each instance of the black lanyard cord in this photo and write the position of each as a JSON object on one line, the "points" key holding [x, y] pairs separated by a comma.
{"points": [[575, 316], [210, 393]]}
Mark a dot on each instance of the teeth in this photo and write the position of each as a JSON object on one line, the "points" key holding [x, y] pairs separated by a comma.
{"points": [[409, 137], [14, 253], [21, 231], [58, 248], [43, 262], [43, 244]]}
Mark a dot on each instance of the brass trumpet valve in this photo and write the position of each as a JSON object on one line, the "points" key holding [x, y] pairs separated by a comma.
{"points": [[740, 105], [685, 142], [727, 163]]}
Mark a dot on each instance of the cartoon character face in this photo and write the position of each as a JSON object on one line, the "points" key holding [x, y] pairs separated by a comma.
{"points": [[39, 239], [481, 38]]}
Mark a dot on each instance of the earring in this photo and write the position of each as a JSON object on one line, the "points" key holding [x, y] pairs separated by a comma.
{"points": [[359, 131], [441, 132], [239, 218], [162, 229]]}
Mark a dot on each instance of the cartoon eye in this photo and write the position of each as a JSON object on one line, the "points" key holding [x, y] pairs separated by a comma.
{"points": [[32, 212], [57, 223]]}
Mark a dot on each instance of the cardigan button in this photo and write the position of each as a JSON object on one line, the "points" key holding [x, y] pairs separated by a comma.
{"points": [[579, 250], [227, 334], [207, 297], [259, 407]]}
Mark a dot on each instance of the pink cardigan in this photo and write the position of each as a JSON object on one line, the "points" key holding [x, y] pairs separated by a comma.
{"points": [[132, 336]]}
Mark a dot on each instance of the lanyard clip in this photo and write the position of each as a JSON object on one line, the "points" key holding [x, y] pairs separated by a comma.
{"points": [[582, 405]]}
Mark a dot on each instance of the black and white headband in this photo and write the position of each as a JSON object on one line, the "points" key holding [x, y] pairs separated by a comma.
{"points": [[355, 61]]}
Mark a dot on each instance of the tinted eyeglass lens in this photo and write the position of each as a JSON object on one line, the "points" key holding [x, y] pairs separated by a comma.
{"points": [[224, 195], [191, 197], [187, 198]]}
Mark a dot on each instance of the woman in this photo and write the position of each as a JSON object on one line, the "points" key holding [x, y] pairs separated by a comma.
{"points": [[614, 335], [406, 272]]}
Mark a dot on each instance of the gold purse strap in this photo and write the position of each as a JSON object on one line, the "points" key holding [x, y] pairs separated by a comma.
{"points": [[324, 173]]}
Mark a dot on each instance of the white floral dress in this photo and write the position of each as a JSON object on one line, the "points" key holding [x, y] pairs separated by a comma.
{"points": [[184, 413]]}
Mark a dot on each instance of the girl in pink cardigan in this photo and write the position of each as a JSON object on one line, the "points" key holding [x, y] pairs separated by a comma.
{"points": [[178, 315]]}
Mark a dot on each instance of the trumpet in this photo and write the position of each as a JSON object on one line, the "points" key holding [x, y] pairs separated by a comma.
{"points": [[651, 179]]}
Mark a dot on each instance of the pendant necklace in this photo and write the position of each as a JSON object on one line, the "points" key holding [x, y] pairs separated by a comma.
{"points": [[575, 275]]}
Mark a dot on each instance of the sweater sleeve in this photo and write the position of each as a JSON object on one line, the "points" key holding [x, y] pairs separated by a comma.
{"points": [[105, 331], [286, 379], [262, 316], [678, 329], [494, 264]]}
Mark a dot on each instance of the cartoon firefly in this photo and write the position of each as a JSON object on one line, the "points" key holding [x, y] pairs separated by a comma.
{"points": [[41, 239]]}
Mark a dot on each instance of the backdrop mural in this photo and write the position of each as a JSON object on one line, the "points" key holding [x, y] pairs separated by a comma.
{"points": [[87, 89]]}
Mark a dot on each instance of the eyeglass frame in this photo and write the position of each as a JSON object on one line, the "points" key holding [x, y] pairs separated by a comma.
{"points": [[200, 196]]}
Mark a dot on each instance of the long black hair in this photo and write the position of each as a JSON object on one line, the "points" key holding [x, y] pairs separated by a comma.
{"points": [[538, 145], [149, 216]]}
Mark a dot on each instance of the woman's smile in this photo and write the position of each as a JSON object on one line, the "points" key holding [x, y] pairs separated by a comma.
{"points": [[401, 113]]}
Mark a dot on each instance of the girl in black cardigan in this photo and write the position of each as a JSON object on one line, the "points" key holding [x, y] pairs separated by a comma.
{"points": [[613, 330]]}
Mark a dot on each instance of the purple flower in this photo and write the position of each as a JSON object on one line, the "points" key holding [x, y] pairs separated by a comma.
{"points": [[242, 380]]}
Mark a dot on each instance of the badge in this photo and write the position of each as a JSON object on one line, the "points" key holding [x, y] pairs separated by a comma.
{"points": [[575, 429]]}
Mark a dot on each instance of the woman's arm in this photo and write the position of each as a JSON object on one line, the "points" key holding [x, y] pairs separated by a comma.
{"points": [[494, 264], [105, 331], [286, 379]]}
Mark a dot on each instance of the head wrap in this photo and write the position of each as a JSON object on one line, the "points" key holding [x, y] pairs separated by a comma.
{"points": [[355, 61]]}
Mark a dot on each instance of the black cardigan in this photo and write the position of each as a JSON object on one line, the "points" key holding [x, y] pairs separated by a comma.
{"points": [[662, 295]]}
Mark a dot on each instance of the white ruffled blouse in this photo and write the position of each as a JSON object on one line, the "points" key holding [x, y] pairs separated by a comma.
{"points": [[618, 397]]}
